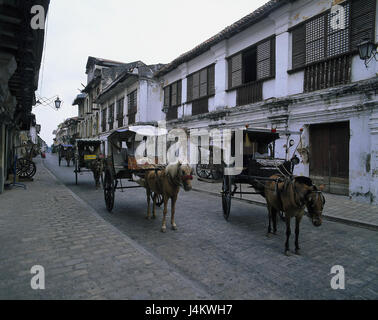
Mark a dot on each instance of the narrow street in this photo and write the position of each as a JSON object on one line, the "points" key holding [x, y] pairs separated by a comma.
{"points": [[235, 259], [273, 105]]}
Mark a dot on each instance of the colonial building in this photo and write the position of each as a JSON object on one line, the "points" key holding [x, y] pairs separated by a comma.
{"points": [[67, 132], [117, 95], [134, 97], [290, 65], [100, 73], [21, 49]]}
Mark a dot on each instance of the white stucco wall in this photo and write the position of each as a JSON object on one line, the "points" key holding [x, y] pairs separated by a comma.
{"points": [[284, 84]]}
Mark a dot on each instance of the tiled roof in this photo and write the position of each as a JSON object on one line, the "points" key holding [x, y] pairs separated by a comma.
{"points": [[226, 33], [78, 98], [143, 71], [102, 62]]}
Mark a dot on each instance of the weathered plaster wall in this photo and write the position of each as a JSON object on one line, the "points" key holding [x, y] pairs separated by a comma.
{"points": [[359, 158]]}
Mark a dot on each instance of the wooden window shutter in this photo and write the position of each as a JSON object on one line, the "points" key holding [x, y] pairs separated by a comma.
{"points": [[235, 71], [132, 102], [135, 100], [196, 85], [174, 94], [315, 39], [179, 92], [203, 83], [189, 92], [299, 47], [264, 60], [166, 96], [338, 40], [362, 21], [211, 79], [273, 57]]}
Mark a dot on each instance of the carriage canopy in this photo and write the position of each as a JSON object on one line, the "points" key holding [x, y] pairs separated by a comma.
{"points": [[144, 131]]}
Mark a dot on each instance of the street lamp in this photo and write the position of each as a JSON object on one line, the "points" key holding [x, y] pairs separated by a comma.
{"points": [[53, 102], [58, 103], [367, 51]]}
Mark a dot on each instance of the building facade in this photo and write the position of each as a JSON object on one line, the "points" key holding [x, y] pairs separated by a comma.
{"points": [[21, 49], [133, 98], [67, 132], [290, 65], [117, 95]]}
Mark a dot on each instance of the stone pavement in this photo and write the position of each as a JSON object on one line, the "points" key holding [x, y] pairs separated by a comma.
{"points": [[84, 257], [337, 208]]}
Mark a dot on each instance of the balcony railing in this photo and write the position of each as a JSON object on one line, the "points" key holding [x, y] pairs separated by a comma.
{"points": [[249, 93], [172, 113], [200, 106], [328, 73]]}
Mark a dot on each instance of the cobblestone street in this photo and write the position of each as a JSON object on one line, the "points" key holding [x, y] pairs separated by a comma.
{"points": [[88, 253]]}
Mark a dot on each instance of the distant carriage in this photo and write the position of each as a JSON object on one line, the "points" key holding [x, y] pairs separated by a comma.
{"points": [[66, 151], [89, 158]]}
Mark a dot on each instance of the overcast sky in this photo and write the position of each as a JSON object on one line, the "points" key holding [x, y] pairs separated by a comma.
{"points": [[122, 30]]}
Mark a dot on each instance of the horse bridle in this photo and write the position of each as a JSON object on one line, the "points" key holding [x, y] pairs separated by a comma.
{"points": [[323, 199], [303, 202], [179, 179]]}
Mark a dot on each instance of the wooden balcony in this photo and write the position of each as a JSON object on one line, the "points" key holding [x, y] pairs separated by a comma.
{"points": [[200, 106], [172, 113], [328, 73], [249, 93]]}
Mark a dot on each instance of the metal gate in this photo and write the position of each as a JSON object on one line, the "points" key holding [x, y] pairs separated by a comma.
{"points": [[329, 156]]}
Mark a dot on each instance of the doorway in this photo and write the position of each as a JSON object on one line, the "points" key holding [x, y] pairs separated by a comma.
{"points": [[329, 156]]}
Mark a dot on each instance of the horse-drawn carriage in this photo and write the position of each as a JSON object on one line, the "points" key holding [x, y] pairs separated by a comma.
{"points": [[122, 162], [259, 164], [89, 158], [66, 151]]}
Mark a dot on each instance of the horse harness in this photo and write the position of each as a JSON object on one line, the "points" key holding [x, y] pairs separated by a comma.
{"points": [[178, 180], [290, 181]]}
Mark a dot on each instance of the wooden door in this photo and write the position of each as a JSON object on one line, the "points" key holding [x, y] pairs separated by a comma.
{"points": [[329, 156]]}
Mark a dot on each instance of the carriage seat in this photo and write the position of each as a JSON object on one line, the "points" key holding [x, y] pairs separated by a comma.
{"points": [[120, 159]]}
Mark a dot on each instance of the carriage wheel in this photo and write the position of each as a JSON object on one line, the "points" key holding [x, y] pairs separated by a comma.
{"points": [[25, 168], [109, 190], [226, 196], [203, 171]]}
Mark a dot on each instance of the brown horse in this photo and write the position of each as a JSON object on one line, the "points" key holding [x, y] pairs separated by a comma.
{"points": [[96, 167], [291, 195], [166, 183]]}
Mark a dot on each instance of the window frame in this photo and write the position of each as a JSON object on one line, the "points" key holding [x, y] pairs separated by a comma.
{"points": [[104, 114], [254, 46], [132, 105], [169, 87], [120, 110], [210, 91], [326, 36]]}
